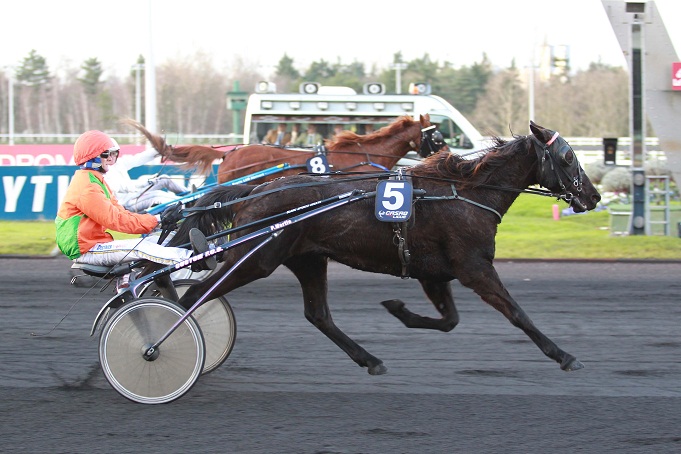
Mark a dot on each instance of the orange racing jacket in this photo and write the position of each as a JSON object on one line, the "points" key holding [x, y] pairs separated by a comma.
{"points": [[89, 208]]}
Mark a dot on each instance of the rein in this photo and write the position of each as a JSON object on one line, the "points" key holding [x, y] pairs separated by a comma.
{"points": [[359, 176], [431, 142], [216, 205], [315, 152]]}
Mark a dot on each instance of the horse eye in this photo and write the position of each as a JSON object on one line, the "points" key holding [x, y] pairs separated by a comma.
{"points": [[567, 157]]}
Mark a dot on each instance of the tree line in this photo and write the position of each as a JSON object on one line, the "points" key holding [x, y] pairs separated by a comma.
{"points": [[191, 94]]}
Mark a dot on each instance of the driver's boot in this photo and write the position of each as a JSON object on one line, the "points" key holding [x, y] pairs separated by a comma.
{"points": [[200, 245]]}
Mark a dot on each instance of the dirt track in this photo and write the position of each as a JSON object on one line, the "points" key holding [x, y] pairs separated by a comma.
{"points": [[286, 388]]}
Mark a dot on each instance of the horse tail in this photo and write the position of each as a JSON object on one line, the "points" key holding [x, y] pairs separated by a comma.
{"points": [[156, 141], [212, 220], [191, 156], [200, 157]]}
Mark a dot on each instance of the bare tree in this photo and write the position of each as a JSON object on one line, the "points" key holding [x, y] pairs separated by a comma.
{"points": [[600, 102], [191, 95], [502, 108], [553, 106]]}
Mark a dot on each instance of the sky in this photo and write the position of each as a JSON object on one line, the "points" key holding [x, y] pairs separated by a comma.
{"points": [[259, 33]]}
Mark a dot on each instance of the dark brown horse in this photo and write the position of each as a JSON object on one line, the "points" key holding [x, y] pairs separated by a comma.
{"points": [[346, 152], [451, 234]]}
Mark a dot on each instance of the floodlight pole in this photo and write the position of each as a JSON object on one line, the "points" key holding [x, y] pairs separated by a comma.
{"points": [[398, 67], [638, 214], [138, 91]]}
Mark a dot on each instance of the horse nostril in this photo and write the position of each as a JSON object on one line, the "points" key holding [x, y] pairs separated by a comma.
{"points": [[596, 198]]}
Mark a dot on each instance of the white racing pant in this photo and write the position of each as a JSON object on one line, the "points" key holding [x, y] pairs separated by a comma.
{"points": [[119, 251]]}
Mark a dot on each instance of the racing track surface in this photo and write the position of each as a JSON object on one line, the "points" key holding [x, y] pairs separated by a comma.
{"points": [[286, 388]]}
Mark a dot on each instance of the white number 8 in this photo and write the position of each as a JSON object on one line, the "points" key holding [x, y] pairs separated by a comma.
{"points": [[317, 165]]}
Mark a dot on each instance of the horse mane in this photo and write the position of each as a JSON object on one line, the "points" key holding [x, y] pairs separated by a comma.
{"points": [[199, 157], [347, 138], [471, 172], [211, 221]]}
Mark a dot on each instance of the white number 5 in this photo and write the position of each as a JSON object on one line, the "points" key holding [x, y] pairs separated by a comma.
{"points": [[389, 192]]}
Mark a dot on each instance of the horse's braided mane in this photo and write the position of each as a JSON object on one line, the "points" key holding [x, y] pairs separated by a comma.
{"points": [[345, 138], [470, 172]]}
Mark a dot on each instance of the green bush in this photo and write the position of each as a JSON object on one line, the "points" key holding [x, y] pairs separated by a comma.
{"points": [[617, 180]]}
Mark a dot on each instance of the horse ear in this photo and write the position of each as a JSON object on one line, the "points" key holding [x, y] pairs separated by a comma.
{"points": [[536, 129], [424, 119]]}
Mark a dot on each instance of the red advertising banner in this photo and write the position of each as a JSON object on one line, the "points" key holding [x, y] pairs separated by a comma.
{"points": [[676, 76], [46, 155]]}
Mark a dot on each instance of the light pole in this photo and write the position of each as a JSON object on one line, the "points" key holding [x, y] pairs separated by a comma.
{"points": [[138, 96], [637, 122], [138, 91], [398, 67]]}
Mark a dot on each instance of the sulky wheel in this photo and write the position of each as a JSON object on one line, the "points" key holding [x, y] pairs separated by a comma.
{"points": [[217, 322], [171, 371]]}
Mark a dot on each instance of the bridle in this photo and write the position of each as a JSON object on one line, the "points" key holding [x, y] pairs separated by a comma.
{"points": [[431, 141], [558, 160]]}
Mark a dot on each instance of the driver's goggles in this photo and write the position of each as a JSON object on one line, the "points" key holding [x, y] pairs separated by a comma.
{"points": [[111, 152]]}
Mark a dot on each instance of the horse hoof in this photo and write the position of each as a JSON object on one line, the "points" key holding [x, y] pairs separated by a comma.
{"points": [[571, 363], [378, 369], [393, 306]]}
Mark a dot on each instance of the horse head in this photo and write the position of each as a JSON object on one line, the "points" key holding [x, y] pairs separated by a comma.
{"points": [[431, 138], [558, 169]]}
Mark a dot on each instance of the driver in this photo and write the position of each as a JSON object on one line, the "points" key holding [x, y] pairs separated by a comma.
{"points": [[90, 208]]}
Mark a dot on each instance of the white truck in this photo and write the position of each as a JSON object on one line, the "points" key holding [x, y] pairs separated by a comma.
{"points": [[327, 106]]}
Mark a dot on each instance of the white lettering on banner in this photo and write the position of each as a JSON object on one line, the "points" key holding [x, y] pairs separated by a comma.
{"points": [[22, 159], [49, 160], [12, 191], [62, 186], [40, 182]]}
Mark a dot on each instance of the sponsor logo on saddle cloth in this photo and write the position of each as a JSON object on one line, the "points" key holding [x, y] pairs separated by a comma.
{"points": [[393, 201]]}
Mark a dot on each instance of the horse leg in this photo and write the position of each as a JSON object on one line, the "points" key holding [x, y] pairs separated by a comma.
{"points": [[311, 273], [488, 285], [440, 294]]}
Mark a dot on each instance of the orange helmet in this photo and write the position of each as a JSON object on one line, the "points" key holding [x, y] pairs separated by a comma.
{"points": [[91, 144]]}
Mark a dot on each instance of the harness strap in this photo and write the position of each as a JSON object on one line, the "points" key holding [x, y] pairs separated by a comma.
{"points": [[455, 196], [544, 154], [360, 176], [553, 139], [400, 231], [364, 163]]}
